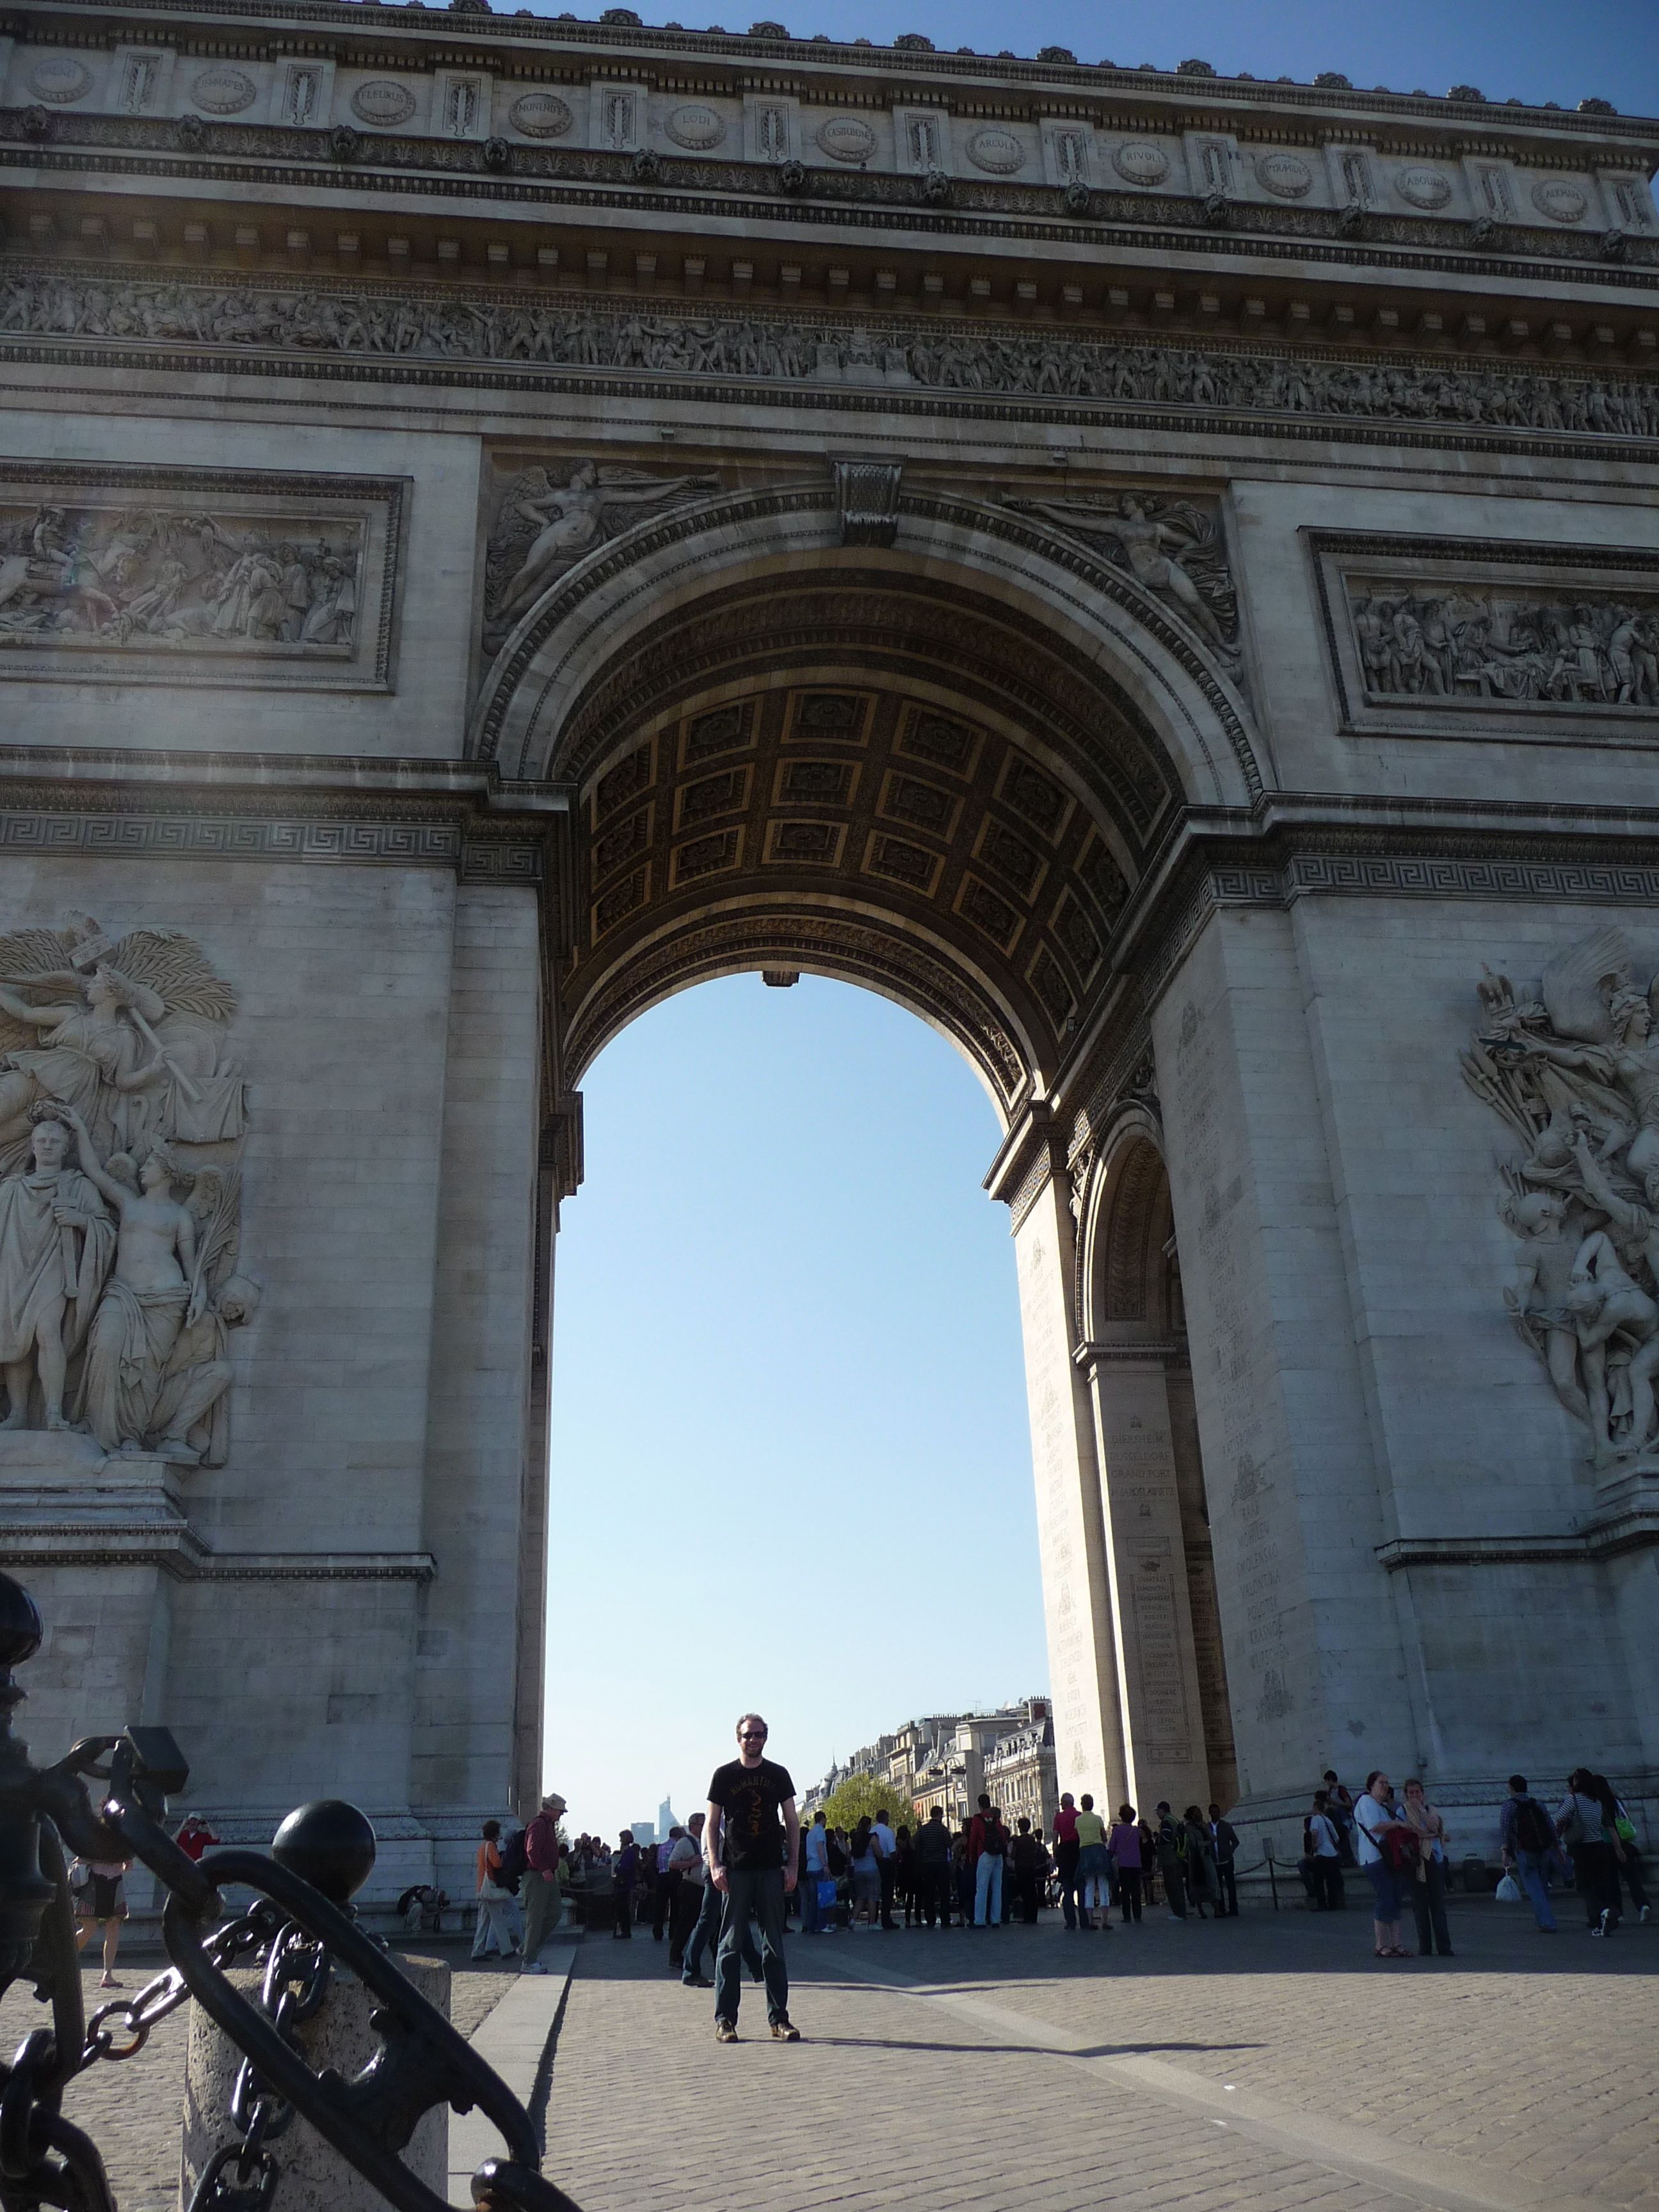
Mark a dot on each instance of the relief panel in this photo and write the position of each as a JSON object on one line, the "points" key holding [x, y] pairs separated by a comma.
{"points": [[1440, 637], [151, 576]]}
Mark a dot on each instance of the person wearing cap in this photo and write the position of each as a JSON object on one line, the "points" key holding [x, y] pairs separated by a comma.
{"points": [[543, 1894]]}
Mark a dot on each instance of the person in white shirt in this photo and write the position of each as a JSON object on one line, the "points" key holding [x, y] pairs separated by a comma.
{"points": [[1325, 1857], [685, 1871], [886, 1865], [1375, 1815], [816, 1845]]}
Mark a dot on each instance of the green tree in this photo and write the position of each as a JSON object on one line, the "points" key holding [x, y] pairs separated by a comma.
{"points": [[849, 1801]]}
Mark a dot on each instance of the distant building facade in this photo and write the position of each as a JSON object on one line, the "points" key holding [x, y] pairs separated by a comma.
{"points": [[946, 1759]]}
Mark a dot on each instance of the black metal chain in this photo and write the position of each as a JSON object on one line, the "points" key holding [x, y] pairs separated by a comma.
{"points": [[421, 2063]]}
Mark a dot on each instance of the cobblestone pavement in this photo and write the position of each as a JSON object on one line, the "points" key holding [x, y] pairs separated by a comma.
{"points": [[131, 2110], [1266, 2062]]}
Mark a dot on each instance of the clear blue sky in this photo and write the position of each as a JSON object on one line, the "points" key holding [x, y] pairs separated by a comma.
{"points": [[786, 1324], [1533, 50], [790, 1460]]}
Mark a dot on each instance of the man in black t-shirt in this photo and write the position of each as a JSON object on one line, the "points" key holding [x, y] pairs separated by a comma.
{"points": [[752, 1845]]}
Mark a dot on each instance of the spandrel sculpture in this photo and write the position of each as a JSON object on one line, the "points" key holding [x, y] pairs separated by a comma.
{"points": [[1573, 1069]]}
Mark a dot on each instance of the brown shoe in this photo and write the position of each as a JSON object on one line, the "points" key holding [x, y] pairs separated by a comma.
{"points": [[724, 2031], [783, 2031]]}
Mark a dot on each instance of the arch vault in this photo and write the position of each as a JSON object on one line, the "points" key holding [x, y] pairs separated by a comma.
{"points": [[940, 764]]}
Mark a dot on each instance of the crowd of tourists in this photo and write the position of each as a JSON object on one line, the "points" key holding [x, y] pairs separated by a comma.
{"points": [[1397, 1840], [719, 1890], [884, 1872]]}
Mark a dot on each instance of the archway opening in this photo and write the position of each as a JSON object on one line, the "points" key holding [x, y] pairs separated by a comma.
{"points": [[1178, 1716], [790, 1446]]}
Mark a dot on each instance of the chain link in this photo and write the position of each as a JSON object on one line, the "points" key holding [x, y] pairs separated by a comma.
{"points": [[148, 2007]]}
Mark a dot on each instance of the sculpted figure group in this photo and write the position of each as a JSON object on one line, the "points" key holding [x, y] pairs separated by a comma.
{"points": [[1574, 1071], [1484, 645], [121, 1123], [567, 334], [170, 577]]}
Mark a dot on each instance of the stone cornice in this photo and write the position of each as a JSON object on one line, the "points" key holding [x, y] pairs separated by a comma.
{"points": [[522, 177], [1181, 99]]}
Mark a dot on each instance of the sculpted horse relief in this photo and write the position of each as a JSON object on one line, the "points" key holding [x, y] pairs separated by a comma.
{"points": [[122, 1118]]}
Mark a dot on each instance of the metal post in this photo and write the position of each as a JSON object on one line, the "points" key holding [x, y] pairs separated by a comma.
{"points": [[1273, 1872]]}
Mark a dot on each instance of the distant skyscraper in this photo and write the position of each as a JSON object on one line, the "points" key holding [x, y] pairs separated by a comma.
{"points": [[667, 1818], [643, 1833]]}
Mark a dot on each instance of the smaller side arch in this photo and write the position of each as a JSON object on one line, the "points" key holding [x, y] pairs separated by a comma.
{"points": [[1128, 1279]]}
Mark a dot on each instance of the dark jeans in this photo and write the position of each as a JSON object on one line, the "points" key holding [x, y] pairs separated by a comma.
{"points": [[964, 1875], [1175, 1886], [1327, 1892], [622, 1907], [1129, 1890], [683, 1908], [706, 1928], [932, 1879], [1229, 1888], [759, 1893], [662, 1902], [1066, 1859], [887, 1873], [1025, 1896], [1597, 1873], [1429, 1910]]}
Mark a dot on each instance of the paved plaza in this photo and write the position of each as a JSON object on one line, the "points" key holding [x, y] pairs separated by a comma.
{"points": [[1264, 2062]]}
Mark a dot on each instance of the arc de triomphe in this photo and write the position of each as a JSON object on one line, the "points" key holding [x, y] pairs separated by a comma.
{"points": [[507, 518]]}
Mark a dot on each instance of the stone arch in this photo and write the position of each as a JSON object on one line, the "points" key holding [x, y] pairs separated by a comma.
{"points": [[1178, 1724], [940, 769], [1143, 657], [1129, 1278]]}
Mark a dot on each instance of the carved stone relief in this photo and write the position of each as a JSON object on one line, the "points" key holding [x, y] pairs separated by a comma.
{"points": [[566, 332], [1287, 176], [1571, 1066], [1172, 548], [122, 1121], [541, 115], [102, 571], [1431, 636], [383, 103], [227, 91], [1506, 645], [1424, 188], [545, 521]]}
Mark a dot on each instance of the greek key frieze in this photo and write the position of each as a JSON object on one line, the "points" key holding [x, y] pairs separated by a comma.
{"points": [[144, 575], [561, 334]]}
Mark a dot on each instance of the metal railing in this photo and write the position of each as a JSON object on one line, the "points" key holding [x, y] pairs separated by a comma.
{"points": [[299, 1927]]}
